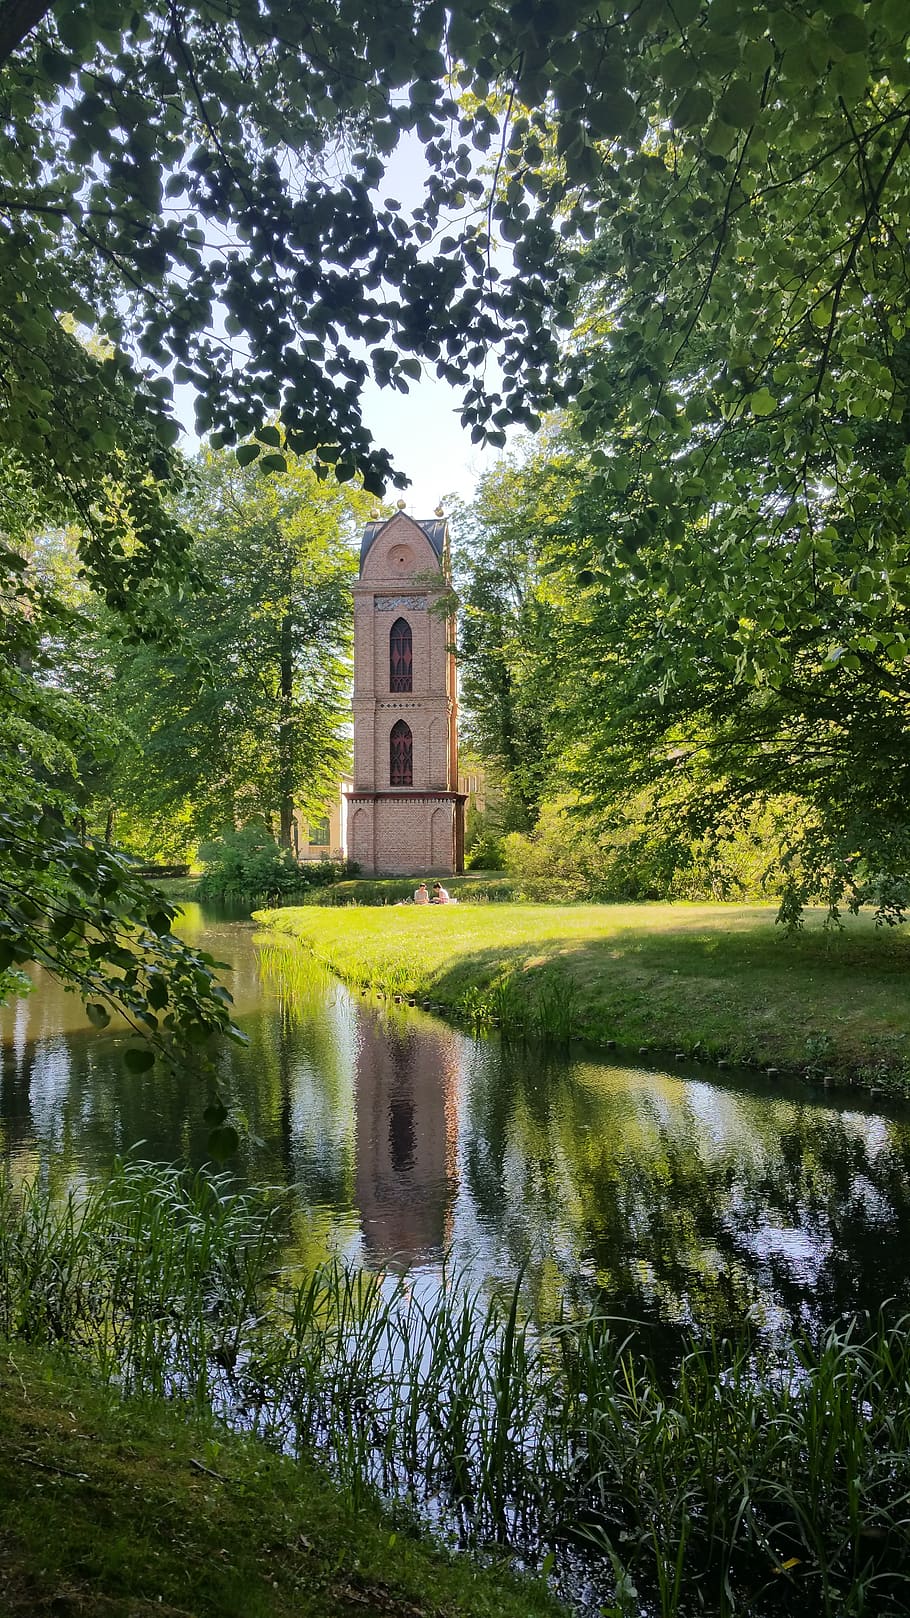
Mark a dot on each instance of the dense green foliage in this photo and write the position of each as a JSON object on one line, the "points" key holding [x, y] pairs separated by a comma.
{"points": [[239, 713], [689, 774], [753, 1479], [196, 183], [66, 900], [507, 628], [248, 865], [234, 708], [474, 888], [566, 859]]}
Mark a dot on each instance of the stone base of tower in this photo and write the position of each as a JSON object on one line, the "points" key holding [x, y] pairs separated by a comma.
{"points": [[406, 833]]}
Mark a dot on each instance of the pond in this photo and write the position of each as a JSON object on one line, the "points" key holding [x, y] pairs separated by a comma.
{"points": [[665, 1196]]}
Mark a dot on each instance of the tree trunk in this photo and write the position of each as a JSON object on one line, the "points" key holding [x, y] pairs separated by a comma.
{"points": [[286, 734]]}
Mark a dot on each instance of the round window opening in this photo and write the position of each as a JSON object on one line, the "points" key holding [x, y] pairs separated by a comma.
{"points": [[401, 556]]}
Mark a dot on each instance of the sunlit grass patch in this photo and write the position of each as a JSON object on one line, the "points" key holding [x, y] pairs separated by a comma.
{"points": [[719, 980]]}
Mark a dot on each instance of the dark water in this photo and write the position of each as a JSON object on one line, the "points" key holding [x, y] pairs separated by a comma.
{"points": [[666, 1196]]}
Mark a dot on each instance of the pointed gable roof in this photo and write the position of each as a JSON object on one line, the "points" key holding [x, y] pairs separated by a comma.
{"points": [[433, 529]]}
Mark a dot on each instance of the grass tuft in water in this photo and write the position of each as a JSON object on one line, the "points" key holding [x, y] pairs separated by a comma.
{"points": [[753, 1480]]}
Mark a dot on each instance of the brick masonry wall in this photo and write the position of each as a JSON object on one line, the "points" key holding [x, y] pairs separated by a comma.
{"points": [[400, 836]]}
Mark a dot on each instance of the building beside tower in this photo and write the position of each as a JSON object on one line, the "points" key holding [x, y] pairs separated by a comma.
{"points": [[405, 812]]}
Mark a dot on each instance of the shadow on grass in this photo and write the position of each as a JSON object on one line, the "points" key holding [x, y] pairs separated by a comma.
{"points": [[814, 1002]]}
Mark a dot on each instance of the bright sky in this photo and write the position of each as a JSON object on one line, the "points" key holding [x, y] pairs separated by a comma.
{"points": [[427, 442]]}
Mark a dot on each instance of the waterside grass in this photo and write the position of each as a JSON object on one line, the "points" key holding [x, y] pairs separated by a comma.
{"points": [[179, 889], [137, 1508], [750, 1478], [709, 981]]}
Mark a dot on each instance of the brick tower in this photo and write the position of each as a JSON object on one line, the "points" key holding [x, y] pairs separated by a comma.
{"points": [[405, 813]]}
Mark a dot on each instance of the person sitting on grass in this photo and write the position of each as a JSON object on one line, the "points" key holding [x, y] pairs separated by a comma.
{"points": [[422, 897], [440, 896]]}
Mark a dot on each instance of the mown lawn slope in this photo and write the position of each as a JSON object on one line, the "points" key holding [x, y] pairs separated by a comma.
{"points": [[720, 980]]}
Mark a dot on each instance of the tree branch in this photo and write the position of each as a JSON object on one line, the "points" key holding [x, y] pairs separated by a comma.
{"points": [[17, 19]]}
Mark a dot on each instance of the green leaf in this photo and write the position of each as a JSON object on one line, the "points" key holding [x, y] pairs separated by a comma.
{"points": [[138, 1058], [720, 138], [739, 105], [215, 1113], [223, 1143], [694, 108], [157, 993], [762, 403], [849, 33], [97, 1015], [75, 29], [246, 453], [273, 463], [613, 114]]}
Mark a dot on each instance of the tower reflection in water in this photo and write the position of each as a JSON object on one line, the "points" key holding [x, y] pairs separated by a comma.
{"points": [[407, 1135]]}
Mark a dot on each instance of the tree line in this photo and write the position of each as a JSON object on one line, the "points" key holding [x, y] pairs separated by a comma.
{"points": [[705, 208]]}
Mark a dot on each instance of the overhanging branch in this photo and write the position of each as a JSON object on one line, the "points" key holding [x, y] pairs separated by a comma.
{"points": [[17, 19]]}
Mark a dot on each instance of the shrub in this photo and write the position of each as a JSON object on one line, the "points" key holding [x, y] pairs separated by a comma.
{"points": [[400, 890], [247, 865], [486, 854], [566, 860]]}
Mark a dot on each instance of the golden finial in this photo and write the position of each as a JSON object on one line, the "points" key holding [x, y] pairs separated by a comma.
{"points": [[401, 504], [439, 511]]}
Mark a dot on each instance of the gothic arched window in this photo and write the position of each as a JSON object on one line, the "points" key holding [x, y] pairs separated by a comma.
{"points": [[401, 755], [400, 658]]}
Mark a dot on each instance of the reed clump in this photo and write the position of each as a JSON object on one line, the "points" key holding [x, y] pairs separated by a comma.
{"points": [[756, 1480], [542, 1008]]}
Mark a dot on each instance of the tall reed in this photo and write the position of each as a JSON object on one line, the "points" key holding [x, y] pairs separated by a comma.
{"points": [[543, 1008], [755, 1480]]}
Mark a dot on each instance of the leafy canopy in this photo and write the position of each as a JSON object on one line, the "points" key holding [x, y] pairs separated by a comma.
{"points": [[240, 714], [71, 904], [200, 184]]}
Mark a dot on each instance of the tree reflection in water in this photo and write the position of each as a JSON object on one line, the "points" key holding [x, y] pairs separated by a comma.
{"points": [[664, 1197], [674, 1198]]}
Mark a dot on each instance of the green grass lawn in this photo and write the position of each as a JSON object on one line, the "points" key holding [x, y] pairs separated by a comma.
{"points": [[391, 890], [721, 980], [132, 1510]]}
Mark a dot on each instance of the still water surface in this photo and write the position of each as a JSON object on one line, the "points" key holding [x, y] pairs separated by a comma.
{"points": [[665, 1196]]}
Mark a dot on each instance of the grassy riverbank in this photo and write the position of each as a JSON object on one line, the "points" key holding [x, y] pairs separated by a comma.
{"points": [[134, 1508], [711, 980], [179, 889], [753, 1476]]}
